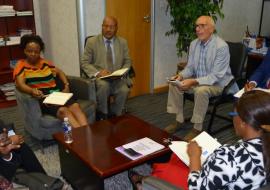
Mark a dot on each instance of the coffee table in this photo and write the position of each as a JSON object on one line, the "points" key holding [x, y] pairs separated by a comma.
{"points": [[92, 156]]}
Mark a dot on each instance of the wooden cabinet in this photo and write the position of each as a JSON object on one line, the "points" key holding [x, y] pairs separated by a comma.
{"points": [[12, 26]]}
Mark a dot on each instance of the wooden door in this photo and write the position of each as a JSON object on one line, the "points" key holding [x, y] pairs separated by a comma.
{"points": [[134, 25]]}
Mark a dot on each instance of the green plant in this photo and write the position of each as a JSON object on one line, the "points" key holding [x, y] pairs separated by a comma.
{"points": [[184, 14]]}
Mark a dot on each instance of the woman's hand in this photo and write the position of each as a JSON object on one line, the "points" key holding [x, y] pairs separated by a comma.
{"points": [[16, 139], [37, 93], [66, 88], [194, 152], [6, 145], [249, 86]]}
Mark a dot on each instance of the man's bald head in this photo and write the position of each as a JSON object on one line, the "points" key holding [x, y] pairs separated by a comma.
{"points": [[109, 27], [205, 27]]}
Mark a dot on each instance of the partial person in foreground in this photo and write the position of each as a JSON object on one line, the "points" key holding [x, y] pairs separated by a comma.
{"points": [[243, 165], [104, 54], [14, 154], [261, 77], [38, 77], [206, 74]]}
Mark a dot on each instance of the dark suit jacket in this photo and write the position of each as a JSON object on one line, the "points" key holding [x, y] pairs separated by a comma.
{"points": [[262, 73]]}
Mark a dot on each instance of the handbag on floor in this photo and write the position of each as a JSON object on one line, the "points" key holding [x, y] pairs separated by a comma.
{"points": [[38, 181]]}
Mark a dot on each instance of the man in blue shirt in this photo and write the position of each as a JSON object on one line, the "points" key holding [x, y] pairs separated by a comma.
{"points": [[261, 77], [206, 74]]}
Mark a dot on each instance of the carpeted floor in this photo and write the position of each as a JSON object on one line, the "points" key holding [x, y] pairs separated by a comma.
{"points": [[151, 108]]}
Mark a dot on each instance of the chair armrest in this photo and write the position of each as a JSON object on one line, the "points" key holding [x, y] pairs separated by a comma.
{"points": [[82, 88], [154, 183], [28, 103], [228, 86]]}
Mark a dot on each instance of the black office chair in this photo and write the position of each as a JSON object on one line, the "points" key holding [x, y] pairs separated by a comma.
{"points": [[238, 55]]}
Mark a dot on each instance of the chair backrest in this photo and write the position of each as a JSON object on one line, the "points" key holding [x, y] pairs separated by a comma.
{"points": [[87, 37], [238, 55]]}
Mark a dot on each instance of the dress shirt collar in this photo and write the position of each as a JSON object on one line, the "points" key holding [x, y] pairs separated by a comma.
{"points": [[105, 40], [204, 44]]}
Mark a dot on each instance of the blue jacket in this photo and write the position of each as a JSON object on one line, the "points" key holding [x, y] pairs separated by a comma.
{"points": [[262, 73]]}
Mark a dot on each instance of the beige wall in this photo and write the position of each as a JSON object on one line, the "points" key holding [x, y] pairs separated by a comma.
{"points": [[56, 23]]}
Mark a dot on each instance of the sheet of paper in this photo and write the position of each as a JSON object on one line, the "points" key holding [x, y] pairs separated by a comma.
{"points": [[117, 73], [139, 148], [207, 142], [57, 98], [241, 92]]}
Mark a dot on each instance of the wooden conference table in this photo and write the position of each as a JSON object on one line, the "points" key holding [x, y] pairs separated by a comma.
{"points": [[92, 156]]}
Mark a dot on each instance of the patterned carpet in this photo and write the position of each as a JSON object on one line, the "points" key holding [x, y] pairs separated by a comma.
{"points": [[151, 108]]}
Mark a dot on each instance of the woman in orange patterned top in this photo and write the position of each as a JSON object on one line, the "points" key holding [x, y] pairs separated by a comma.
{"points": [[37, 77]]}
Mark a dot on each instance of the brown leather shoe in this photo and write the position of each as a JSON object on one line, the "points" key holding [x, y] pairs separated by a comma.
{"points": [[172, 128], [191, 134]]}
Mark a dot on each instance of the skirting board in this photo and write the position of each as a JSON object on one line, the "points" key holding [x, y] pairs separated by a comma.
{"points": [[161, 89]]}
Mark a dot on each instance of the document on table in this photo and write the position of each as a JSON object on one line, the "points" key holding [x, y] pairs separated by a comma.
{"points": [[241, 92], [57, 98], [117, 73], [139, 148], [207, 142]]}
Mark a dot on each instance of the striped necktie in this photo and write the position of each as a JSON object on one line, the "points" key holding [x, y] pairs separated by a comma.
{"points": [[109, 56]]}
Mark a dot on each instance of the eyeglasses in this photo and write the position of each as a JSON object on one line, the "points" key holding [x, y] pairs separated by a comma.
{"points": [[200, 26], [233, 114], [112, 27]]}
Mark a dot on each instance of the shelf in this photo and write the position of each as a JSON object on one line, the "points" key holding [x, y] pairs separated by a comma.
{"points": [[10, 26], [16, 16], [6, 103]]}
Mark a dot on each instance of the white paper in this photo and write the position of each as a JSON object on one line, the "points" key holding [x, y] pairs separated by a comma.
{"points": [[204, 140], [174, 82], [142, 147], [57, 98], [241, 92], [117, 73]]}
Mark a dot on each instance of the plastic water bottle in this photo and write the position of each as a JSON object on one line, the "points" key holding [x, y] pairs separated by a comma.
{"points": [[67, 131]]}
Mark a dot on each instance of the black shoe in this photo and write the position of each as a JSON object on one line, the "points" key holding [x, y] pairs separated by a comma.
{"points": [[101, 116]]}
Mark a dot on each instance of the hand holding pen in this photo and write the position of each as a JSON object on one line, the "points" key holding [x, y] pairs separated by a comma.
{"points": [[249, 86], [37, 93]]}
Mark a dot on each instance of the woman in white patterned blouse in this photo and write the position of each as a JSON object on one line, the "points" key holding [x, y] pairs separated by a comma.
{"points": [[244, 165]]}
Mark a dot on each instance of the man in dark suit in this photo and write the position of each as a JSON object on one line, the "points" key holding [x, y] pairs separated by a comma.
{"points": [[104, 54], [14, 154], [261, 77]]}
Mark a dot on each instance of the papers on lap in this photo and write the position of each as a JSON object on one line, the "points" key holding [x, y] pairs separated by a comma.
{"points": [[241, 92], [117, 73], [139, 148], [57, 98], [174, 82], [207, 142]]}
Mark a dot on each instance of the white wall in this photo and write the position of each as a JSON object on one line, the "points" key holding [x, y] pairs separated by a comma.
{"points": [[165, 55], [238, 15], [94, 14], [56, 23]]}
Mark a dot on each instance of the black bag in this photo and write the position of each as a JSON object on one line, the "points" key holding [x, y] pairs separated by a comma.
{"points": [[38, 181]]}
